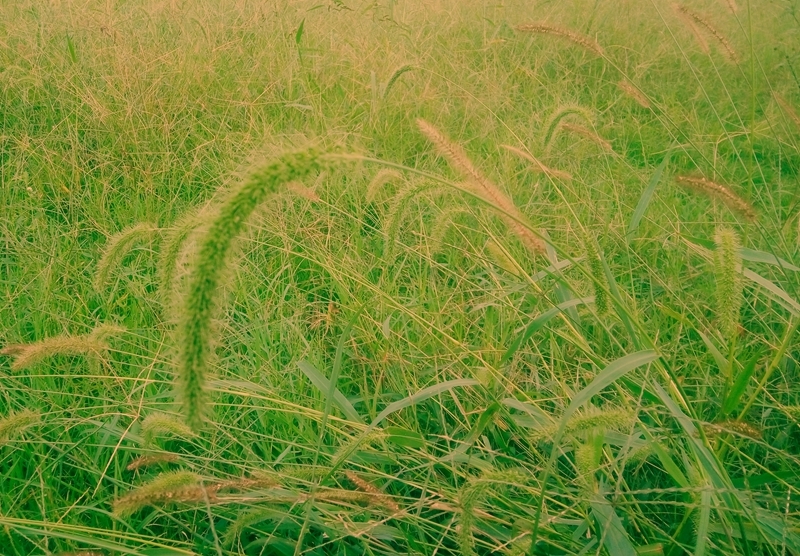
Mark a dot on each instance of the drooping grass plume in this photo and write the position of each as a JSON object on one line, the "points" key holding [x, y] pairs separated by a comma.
{"points": [[588, 133], [93, 344], [728, 275], [741, 428], [394, 77], [697, 19], [599, 280], [552, 125], [692, 26], [592, 418], [444, 221], [15, 423], [472, 494], [394, 216], [146, 461], [372, 490], [168, 488], [538, 165], [633, 92], [299, 189], [171, 247], [116, 248], [583, 41], [482, 187], [787, 108], [376, 185], [159, 425], [346, 449], [501, 258], [720, 193], [195, 334]]}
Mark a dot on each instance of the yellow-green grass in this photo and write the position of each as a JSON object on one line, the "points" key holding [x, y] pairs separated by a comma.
{"points": [[561, 356]]}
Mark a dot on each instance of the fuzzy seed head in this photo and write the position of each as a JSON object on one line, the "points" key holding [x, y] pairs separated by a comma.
{"points": [[728, 274], [720, 193], [15, 423], [483, 187], [583, 41]]}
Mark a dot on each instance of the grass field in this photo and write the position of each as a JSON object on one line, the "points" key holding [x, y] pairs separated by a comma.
{"points": [[394, 277]]}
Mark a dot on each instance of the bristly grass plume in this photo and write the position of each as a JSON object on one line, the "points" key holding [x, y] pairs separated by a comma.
{"points": [[195, 335]]}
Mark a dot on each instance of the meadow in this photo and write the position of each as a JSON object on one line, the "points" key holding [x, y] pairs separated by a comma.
{"points": [[396, 277]]}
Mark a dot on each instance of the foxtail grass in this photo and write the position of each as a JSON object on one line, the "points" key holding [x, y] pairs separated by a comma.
{"points": [[94, 344], [195, 330], [787, 109], [587, 133], [472, 494], [633, 92], [168, 488], [553, 122], [720, 193], [537, 165], [587, 43], [381, 179], [116, 248], [728, 275], [696, 19], [399, 71], [172, 246], [483, 187], [159, 425], [599, 280], [15, 424], [590, 419], [154, 459]]}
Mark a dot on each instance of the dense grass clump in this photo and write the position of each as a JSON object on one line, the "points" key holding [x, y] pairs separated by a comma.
{"points": [[536, 290]]}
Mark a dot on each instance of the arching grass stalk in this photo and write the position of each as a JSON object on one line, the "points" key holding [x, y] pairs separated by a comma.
{"points": [[206, 275]]}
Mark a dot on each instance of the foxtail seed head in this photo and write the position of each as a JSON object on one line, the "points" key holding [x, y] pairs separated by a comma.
{"points": [[483, 187], [720, 193], [583, 41], [728, 274], [195, 331]]}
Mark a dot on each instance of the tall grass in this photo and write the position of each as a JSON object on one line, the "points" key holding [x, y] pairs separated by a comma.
{"points": [[550, 305]]}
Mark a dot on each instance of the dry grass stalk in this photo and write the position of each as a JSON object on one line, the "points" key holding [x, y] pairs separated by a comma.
{"points": [[720, 193], [370, 489], [581, 40], [145, 461], [787, 108], [482, 187], [537, 165], [588, 133], [632, 91], [694, 19]]}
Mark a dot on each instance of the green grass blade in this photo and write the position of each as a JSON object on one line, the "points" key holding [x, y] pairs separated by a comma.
{"points": [[538, 323], [421, 396], [610, 528], [324, 385], [779, 295], [735, 395], [647, 196]]}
